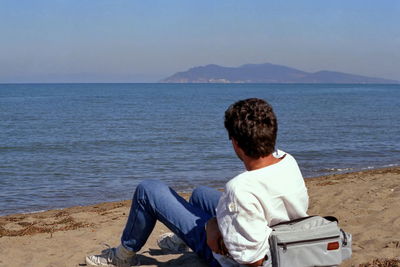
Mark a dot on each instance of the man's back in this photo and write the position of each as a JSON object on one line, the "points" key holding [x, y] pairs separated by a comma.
{"points": [[256, 199]]}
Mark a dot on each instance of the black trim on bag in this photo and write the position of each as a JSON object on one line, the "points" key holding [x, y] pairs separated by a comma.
{"points": [[292, 221], [332, 219], [329, 218]]}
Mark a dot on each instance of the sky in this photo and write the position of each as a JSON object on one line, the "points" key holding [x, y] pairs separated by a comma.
{"points": [[148, 40]]}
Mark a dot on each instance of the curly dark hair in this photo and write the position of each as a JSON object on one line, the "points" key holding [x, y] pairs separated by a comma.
{"points": [[252, 123]]}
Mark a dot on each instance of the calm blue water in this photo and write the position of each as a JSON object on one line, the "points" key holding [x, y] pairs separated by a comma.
{"points": [[76, 144]]}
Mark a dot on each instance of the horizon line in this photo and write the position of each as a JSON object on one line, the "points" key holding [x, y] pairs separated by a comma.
{"points": [[219, 83]]}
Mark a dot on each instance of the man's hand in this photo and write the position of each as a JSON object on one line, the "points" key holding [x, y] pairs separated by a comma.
{"points": [[214, 237], [257, 263]]}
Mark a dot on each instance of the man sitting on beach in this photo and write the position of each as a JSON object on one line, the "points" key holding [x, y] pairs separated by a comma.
{"points": [[234, 223]]}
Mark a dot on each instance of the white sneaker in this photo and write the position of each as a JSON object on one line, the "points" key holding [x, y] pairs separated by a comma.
{"points": [[108, 257], [171, 243]]}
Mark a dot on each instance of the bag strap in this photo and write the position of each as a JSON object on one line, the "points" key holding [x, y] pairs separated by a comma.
{"points": [[344, 242]]}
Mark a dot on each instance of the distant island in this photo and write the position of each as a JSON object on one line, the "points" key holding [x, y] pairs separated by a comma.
{"points": [[267, 73]]}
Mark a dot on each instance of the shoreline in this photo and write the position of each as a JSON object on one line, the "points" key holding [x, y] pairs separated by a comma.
{"points": [[188, 192], [367, 204]]}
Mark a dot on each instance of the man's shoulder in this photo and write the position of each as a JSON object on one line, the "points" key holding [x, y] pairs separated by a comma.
{"points": [[237, 182], [284, 171], [287, 157]]}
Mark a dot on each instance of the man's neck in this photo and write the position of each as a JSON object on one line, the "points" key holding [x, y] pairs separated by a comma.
{"points": [[252, 164]]}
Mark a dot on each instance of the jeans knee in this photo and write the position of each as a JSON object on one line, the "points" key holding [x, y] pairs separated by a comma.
{"points": [[197, 194], [149, 187]]}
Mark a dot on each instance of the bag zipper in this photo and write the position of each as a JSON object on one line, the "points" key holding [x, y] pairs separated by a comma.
{"points": [[285, 244]]}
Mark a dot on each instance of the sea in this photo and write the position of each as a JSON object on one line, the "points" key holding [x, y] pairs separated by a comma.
{"points": [[65, 145]]}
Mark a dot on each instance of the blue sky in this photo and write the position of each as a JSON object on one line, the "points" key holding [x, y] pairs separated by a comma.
{"points": [[145, 41]]}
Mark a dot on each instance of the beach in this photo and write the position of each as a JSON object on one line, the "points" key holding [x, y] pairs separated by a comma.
{"points": [[367, 204]]}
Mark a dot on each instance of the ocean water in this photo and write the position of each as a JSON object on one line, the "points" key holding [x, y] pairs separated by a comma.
{"points": [[76, 144]]}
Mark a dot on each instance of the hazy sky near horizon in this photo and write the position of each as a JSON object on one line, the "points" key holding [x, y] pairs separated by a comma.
{"points": [[145, 41]]}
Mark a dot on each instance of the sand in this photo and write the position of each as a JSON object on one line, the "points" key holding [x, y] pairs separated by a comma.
{"points": [[366, 203]]}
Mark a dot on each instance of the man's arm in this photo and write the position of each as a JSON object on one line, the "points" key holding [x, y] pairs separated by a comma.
{"points": [[214, 237], [216, 242]]}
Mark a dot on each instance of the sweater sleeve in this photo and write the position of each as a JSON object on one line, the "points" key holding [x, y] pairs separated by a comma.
{"points": [[242, 223]]}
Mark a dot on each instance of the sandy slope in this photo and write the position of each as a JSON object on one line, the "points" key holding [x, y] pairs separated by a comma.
{"points": [[366, 203]]}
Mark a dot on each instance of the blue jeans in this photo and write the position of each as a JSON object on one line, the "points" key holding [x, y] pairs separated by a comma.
{"points": [[153, 200]]}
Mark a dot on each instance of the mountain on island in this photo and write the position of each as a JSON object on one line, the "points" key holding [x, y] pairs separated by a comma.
{"points": [[266, 73]]}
